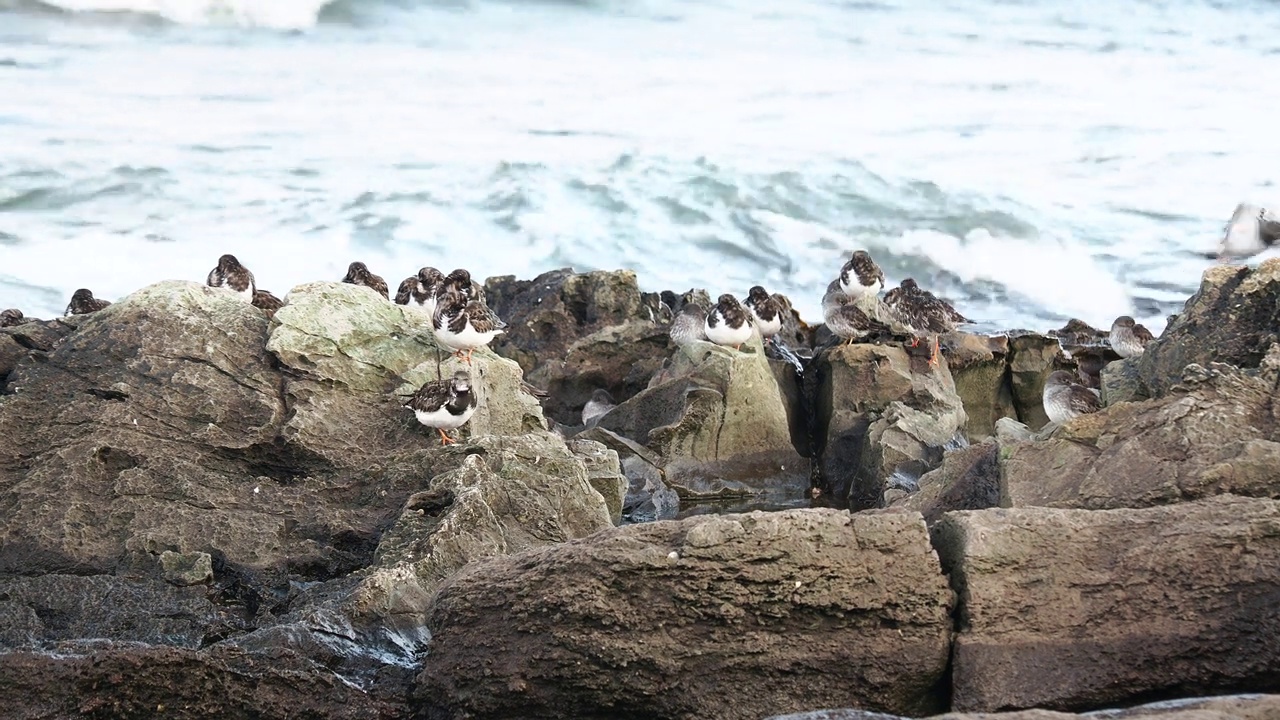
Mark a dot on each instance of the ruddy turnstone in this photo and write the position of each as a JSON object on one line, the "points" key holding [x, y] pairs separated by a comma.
{"points": [[1128, 338], [728, 323], [845, 319], [230, 274], [11, 317], [83, 302], [861, 276], [459, 281], [421, 289], [689, 325], [924, 312], [600, 403], [462, 324], [358, 274], [765, 311], [444, 404], [1064, 398], [264, 300]]}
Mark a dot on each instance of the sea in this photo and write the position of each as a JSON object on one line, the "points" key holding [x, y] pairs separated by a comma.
{"points": [[1031, 160]]}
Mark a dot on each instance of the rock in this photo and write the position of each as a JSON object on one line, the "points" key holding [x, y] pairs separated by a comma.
{"points": [[1121, 382], [1237, 707], [147, 682], [979, 366], [604, 473], [1176, 600], [1010, 431], [1234, 318], [188, 569], [969, 479], [698, 618], [1214, 435], [647, 496], [572, 333], [720, 426], [508, 495], [879, 413], [1032, 358]]}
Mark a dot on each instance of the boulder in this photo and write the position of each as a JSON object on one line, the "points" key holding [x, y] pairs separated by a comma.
{"points": [[732, 616], [979, 366], [968, 479], [647, 496], [1077, 609], [1032, 357], [509, 494], [1121, 382], [604, 473], [1237, 707], [880, 413], [572, 333], [1215, 433], [720, 426], [1234, 318]]}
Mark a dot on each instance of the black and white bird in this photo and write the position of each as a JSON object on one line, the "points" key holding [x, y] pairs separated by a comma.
{"points": [[1064, 398], [358, 274], [1128, 338], [464, 325], [11, 318], [861, 276], [233, 276], [601, 402], [460, 281], [924, 312], [765, 311], [728, 323], [445, 404], [83, 302], [421, 289], [845, 319], [689, 325]]}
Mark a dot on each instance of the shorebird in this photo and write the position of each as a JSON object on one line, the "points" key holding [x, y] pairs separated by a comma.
{"points": [[444, 404], [358, 274], [860, 276], [728, 323], [601, 402], [924, 312], [1064, 398], [83, 302], [1128, 338], [765, 311], [462, 324], [233, 276]]}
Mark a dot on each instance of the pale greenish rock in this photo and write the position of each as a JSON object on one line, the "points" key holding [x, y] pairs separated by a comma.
{"points": [[184, 569]]}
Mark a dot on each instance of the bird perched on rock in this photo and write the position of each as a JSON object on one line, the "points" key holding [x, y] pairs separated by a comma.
{"points": [[461, 324], [1128, 338], [924, 312], [845, 319], [600, 403], [230, 274], [11, 317], [444, 404], [1064, 398], [358, 274], [765, 311], [861, 276], [728, 323], [689, 324], [83, 302], [265, 301], [460, 281], [421, 289]]}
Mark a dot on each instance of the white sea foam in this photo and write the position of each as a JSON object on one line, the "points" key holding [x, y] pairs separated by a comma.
{"points": [[274, 14]]}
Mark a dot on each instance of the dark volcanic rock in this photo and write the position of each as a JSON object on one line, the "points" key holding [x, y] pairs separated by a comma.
{"points": [[1076, 609], [1231, 707], [969, 479], [735, 616], [1234, 318]]}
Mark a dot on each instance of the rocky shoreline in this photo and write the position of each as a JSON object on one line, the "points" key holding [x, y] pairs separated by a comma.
{"points": [[209, 511]]}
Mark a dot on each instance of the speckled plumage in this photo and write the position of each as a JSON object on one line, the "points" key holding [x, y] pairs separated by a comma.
{"points": [[728, 323], [462, 324], [231, 275], [12, 317], [765, 311], [600, 403], [921, 309], [1128, 338], [689, 325], [1064, 398], [444, 404], [83, 302], [845, 319], [264, 300], [860, 276], [358, 274]]}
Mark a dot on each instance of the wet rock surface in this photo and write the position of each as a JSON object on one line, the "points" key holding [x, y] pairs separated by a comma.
{"points": [[669, 619], [1237, 707]]}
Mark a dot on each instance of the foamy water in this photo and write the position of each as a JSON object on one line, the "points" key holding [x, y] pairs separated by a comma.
{"points": [[1033, 161]]}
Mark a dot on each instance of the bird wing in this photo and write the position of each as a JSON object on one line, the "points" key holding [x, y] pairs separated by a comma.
{"points": [[1143, 335], [406, 290], [431, 396], [1083, 400]]}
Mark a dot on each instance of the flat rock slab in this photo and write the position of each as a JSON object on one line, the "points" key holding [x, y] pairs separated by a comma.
{"points": [[1232, 707], [1076, 609], [779, 611]]}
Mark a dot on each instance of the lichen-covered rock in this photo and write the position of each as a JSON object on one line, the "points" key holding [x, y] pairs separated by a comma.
{"points": [[508, 495], [879, 413], [1076, 609], [733, 616], [720, 425], [1216, 433], [1234, 318], [1032, 357], [979, 366], [604, 472]]}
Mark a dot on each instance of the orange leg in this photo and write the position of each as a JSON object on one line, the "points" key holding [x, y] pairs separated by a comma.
{"points": [[933, 353], [445, 439], [469, 355], [915, 341]]}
